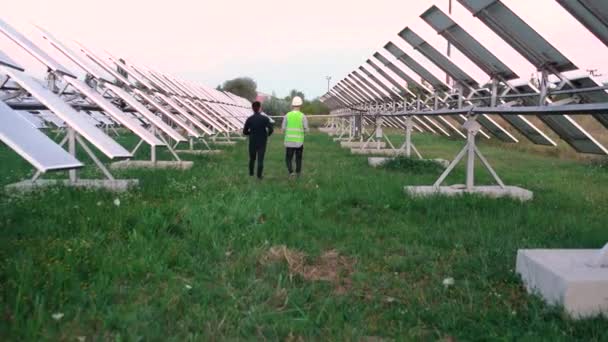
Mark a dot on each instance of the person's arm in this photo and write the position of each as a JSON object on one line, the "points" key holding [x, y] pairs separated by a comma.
{"points": [[269, 127], [247, 128], [305, 122], [284, 124]]}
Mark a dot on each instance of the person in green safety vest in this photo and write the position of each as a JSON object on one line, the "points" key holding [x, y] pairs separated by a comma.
{"points": [[294, 126]]}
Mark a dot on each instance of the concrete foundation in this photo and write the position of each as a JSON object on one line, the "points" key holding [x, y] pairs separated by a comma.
{"points": [[378, 161], [359, 144], [340, 139], [457, 190], [199, 152], [563, 278], [144, 164], [119, 185], [378, 152]]}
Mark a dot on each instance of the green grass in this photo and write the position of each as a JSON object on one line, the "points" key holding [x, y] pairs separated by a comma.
{"points": [[121, 272]]}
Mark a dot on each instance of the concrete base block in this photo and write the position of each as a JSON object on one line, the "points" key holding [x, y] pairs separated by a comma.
{"points": [[144, 164], [457, 190], [378, 161], [223, 143], [378, 152], [327, 130], [359, 144], [340, 139], [118, 185], [444, 163], [563, 277], [199, 152]]}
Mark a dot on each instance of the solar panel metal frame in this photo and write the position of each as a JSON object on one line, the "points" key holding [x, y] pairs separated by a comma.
{"points": [[598, 96], [104, 65], [593, 14], [33, 50], [517, 33], [565, 127], [439, 59], [418, 69], [69, 115], [35, 120], [467, 44], [31, 144]]}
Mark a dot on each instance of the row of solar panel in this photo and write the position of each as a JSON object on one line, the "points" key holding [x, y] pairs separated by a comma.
{"points": [[149, 103], [505, 88]]}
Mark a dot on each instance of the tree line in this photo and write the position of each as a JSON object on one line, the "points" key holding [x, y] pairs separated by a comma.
{"points": [[247, 88]]}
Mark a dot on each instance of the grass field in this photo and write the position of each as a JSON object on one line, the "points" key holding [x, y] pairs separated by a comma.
{"points": [[197, 255]]}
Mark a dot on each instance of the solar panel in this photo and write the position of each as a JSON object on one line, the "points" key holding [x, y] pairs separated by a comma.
{"points": [[443, 62], [76, 120], [436, 83], [104, 65], [598, 96], [348, 84], [591, 13], [517, 33], [469, 46], [524, 126], [121, 117], [205, 116], [410, 81], [31, 144], [365, 86], [183, 124], [51, 118], [71, 55], [388, 77], [32, 49], [381, 84], [141, 109], [184, 113], [564, 126], [35, 120], [131, 72], [7, 61]]}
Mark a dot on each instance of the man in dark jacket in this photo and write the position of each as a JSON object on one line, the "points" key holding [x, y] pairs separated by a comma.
{"points": [[258, 127]]}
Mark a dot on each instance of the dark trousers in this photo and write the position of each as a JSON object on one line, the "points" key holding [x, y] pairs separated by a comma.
{"points": [[256, 152], [289, 153]]}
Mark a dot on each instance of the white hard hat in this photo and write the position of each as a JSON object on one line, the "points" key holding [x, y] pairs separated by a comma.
{"points": [[296, 102]]}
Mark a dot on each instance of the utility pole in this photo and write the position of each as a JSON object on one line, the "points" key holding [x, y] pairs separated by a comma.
{"points": [[328, 78]]}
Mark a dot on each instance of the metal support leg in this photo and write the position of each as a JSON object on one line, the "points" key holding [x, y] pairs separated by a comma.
{"points": [[94, 158], [73, 175], [470, 183]]}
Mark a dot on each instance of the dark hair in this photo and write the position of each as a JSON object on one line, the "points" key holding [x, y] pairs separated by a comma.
{"points": [[256, 106]]}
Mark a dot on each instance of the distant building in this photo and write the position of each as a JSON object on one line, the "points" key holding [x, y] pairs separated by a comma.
{"points": [[262, 97]]}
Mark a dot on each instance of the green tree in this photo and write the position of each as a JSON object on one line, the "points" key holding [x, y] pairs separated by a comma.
{"points": [[275, 106], [242, 86]]}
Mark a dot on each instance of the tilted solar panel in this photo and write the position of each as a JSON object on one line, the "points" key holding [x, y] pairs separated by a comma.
{"points": [[517, 33], [591, 13], [121, 117], [32, 49], [31, 144], [68, 114], [469, 46], [440, 60]]}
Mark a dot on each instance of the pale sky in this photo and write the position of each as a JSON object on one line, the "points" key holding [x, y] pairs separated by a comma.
{"points": [[281, 44]]}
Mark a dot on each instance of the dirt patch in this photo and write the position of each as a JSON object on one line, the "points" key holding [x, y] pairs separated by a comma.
{"points": [[329, 266]]}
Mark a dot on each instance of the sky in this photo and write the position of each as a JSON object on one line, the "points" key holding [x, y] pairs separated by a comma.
{"points": [[281, 44]]}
